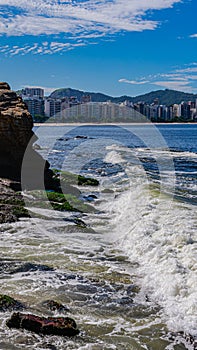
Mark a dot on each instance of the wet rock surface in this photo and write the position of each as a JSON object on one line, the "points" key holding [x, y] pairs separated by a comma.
{"points": [[12, 267], [16, 135], [11, 202], [63, 326], [8, 303], [53, 305]]}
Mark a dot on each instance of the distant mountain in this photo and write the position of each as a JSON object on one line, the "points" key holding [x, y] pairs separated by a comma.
{"points": [[166, 97], [95, 97]]}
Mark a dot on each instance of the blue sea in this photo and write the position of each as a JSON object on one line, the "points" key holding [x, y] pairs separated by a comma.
{"points": [[129, 278]]}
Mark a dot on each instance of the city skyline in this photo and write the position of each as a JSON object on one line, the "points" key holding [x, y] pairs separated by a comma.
{"points": [[81, 108], [115, 47]]}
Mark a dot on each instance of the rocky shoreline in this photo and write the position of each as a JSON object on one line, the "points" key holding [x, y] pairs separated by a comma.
{"points": [[16, 136]]}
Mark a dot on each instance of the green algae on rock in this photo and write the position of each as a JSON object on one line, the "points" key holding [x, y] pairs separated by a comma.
{"points": [[7, 303], [74, 179]]}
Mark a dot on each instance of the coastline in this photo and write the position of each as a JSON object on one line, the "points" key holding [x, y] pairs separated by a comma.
{"points": [[102, 124]]}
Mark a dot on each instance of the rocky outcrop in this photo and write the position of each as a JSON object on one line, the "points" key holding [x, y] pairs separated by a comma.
{"points": [[16, 135], [17, 153], [15, 132], [63, 326]]}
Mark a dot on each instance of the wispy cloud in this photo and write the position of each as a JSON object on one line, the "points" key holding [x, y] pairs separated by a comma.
{"points": [[179, 79], [193, 36], [43, 48], [87, 19], [133, 82], [174, 85]]}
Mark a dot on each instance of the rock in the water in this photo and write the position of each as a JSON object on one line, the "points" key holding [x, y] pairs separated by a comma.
{"points": [[55, 306], [63, 326], [9, 304], [29, 267]]}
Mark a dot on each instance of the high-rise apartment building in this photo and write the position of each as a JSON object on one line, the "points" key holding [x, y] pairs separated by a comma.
{"points": [[33, 92], [35, 105]]}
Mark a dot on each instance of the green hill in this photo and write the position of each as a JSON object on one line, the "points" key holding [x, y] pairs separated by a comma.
{"points": [[96, 97], [166, 97]]}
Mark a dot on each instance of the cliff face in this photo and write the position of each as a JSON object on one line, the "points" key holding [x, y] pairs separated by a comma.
{"points": [[16, 139], [15, 132]]}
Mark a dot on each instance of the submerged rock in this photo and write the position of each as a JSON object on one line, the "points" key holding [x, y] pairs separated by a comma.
{"points": [[7, 303], [55, 306], [29, 267], [13, 266], [63, 326]]}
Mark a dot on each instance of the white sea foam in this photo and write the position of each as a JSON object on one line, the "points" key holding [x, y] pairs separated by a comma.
{"points": [[159, 234]]}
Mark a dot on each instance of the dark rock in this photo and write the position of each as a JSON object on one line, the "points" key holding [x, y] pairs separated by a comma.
{"points": [[75, 179], [16, 137], [11, 203], [9, 304], [4, 86], [90, 197], [63, 326], [13, 266], [55, 306], [78, 137], [87, 181], [29, 267], [64, 139]]}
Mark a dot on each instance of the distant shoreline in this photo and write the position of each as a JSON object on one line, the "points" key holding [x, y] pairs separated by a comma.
{"points": [[102, 124]]}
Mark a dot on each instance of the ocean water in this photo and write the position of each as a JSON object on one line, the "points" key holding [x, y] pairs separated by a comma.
{"points": [[129, 278]]}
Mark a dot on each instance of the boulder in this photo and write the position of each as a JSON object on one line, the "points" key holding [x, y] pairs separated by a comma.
{"points": [[63, 326]]}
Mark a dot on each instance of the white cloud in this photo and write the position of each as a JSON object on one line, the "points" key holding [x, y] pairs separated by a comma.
{"points": [[180, 79], [188, 70], [44, 48], [37, 17], [134, 82], [193, 36], [174, 85]]}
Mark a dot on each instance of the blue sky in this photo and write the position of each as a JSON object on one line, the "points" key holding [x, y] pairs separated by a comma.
{"points": [[113, 46]]}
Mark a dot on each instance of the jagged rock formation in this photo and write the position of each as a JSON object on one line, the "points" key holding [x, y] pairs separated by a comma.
{"points": [[16, 135], [15, 132]]}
